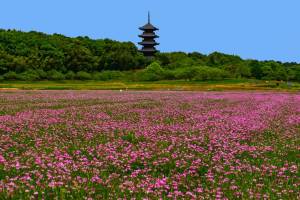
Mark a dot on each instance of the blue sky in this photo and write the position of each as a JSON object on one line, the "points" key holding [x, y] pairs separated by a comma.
{"points": [[259, 29]]}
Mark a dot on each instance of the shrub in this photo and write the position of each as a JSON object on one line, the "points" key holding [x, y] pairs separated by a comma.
{"points": [[169, 74], [42, 74], [153, 72], [187, 73], [108, 75], [210, 73], [10, 76], [55, 75], [96, 76], [70, 75], [29, 75], [201, 73], [83, 75], [129, 76]]}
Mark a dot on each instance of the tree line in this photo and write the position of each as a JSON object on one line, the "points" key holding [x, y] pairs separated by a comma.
{"points": [[38, 56]]}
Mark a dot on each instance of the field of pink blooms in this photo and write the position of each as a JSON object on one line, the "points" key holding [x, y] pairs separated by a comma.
{"points": [[149, 145]]}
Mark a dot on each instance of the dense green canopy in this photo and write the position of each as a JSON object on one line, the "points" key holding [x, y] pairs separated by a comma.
{"points": [[34, 56]]}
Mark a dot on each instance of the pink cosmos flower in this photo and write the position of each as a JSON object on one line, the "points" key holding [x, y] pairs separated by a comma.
{"points": [[2, 159]]}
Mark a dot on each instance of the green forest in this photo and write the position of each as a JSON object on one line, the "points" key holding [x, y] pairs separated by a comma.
{"points": [[31, 56]]}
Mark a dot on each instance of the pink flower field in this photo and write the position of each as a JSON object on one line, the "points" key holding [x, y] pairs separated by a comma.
{"points": [[149, 145]]}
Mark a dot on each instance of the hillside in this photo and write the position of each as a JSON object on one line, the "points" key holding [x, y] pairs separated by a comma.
{"points": [[38, 56]]}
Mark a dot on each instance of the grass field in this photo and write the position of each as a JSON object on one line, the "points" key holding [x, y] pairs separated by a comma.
{"points": [[160, 85]]}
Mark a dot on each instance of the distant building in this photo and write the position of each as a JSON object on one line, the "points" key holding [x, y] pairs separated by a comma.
{"points": [[148, 36]]}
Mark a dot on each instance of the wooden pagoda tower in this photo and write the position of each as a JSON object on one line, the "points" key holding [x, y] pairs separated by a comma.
{"points": [[148, 37]]}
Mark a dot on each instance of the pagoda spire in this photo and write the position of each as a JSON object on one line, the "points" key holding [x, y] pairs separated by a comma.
{"points": [[149, 17]]}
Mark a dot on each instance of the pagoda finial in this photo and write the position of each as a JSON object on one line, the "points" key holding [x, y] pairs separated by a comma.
{"points": [[148, 17]]}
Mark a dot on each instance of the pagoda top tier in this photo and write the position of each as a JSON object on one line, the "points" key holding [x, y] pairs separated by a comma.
{"points": [[148, 26]]}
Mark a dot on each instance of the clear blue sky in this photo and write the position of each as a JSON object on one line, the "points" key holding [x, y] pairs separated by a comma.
{"points": [[260, 29]]}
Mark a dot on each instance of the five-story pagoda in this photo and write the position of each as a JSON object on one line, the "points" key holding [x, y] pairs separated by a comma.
{"points": [[149, 36]]}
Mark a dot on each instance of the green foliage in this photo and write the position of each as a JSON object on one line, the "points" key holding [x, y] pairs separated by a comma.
{"points": [[82, 75], [186, 73], [176, 60], [219, 59], [210, 73], [255, 68], [22, 51], [55, 75], [201, 73], [38, 56], [5, 60], [10, 76], [169, 74], [154, 68], [280, 72], [153, 72], [230, 65], [32, 75], [70, 75], [41, 73], [267, 73], [242, 70], [297, 74], [108, 75]]}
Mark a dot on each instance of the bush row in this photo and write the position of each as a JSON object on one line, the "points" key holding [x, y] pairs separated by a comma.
{"points": [[154, 72], [35, 75]]}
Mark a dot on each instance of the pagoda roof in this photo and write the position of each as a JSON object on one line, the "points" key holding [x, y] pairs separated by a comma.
{"points": [[148, 43], [149, 50], [149, 26], [149, 35]]}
